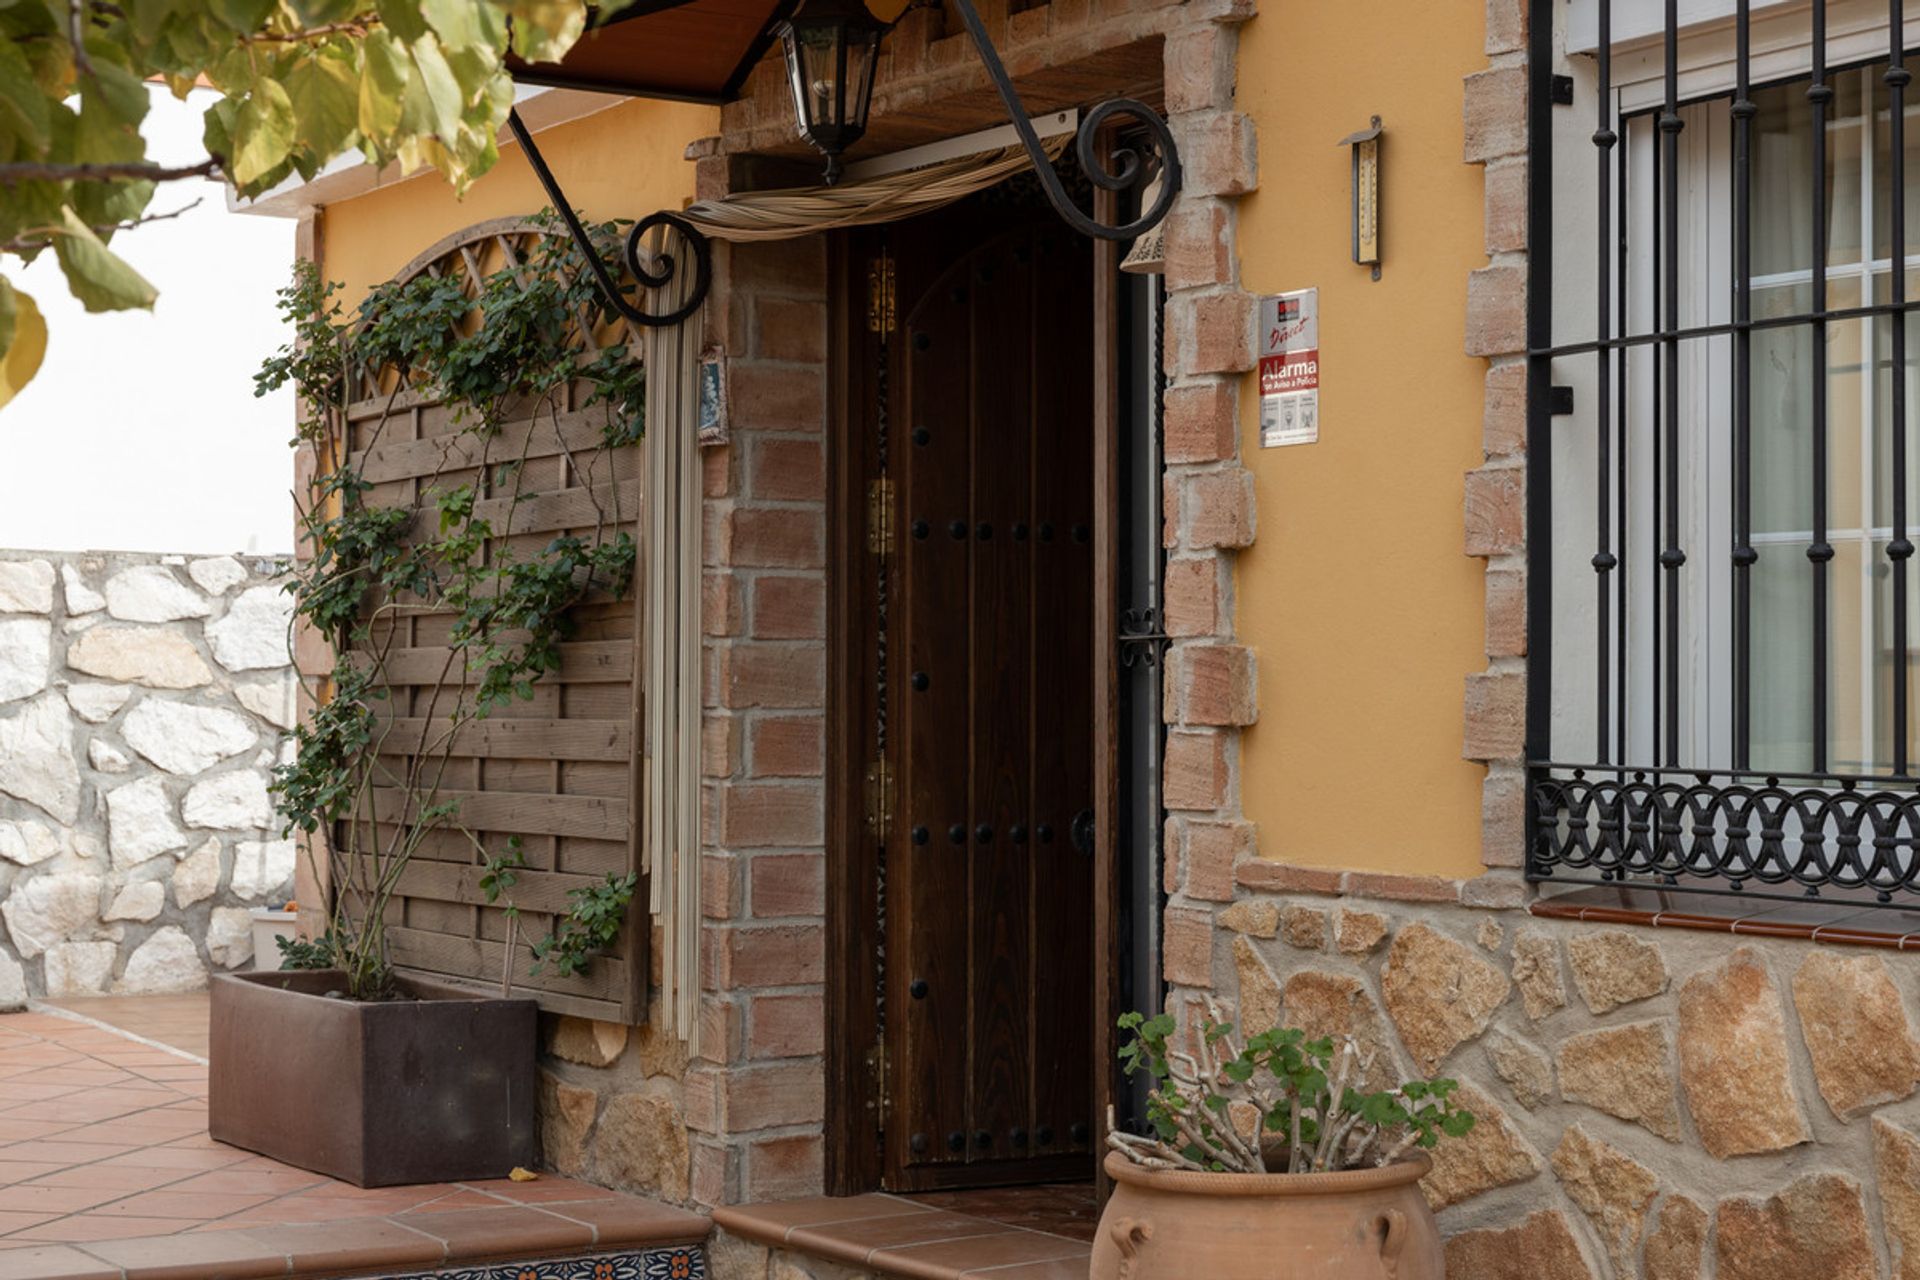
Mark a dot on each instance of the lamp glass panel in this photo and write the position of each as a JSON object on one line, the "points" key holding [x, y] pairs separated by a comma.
{"points": [[863, 51], [820, 69], [797, 77]]}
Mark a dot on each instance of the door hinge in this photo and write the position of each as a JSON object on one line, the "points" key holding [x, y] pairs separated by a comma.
{"points": [[880, 517], [881, 309], [880, 798]]}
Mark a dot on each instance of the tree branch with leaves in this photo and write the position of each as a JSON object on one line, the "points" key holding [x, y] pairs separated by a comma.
{"points": [[418, 83]]}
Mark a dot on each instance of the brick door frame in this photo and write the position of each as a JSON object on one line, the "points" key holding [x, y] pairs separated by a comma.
{"points": [[765, 1088]]}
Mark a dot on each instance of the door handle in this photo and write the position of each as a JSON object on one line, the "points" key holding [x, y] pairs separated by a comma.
{"points": [[1082, 831]]}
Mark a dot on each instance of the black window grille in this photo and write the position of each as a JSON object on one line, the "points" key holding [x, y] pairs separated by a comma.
{"points": [[1719, 473]]}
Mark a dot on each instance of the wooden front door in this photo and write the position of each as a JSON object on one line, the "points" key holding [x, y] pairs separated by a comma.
{"points": [[979, 654]]}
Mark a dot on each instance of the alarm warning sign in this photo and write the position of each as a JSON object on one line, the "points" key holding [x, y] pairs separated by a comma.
{"points": [[1290, 368]]}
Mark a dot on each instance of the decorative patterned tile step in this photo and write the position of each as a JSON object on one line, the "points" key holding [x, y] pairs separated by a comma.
{"points": [[685, 1262], [894, 1236]]}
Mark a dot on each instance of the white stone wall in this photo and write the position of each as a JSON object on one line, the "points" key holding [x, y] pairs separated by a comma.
{"points": [[143, 704]]}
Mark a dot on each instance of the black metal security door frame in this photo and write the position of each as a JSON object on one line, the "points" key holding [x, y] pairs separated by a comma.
{"points": [[1715, 826]]}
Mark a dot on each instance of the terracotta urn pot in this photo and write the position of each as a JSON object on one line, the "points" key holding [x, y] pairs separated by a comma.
{"points": [[1369, 1224]]}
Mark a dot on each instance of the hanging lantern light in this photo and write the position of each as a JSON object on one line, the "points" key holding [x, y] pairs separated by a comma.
{"points": [[832, 47]]}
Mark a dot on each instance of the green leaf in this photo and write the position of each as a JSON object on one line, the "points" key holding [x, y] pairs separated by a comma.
{"points": [[383, 85], [23, 106], [543, 30], [315, 13], [243, 15], [26, 341], [461, 24], [99, 278], [403, 18], [216, 127], [325, 93], [113, 85], [149, 16], [263, 133], [434, 100]]}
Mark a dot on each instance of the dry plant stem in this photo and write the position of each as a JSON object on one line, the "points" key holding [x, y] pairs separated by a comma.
{"points": [[1151, 1152], [506, 969], [1337, 1090]]}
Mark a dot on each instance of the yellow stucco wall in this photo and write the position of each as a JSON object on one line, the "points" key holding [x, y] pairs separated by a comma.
{"points": [[626, 161], [1366, 614]]}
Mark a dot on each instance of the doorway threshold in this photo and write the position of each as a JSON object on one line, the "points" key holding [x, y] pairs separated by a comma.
{"points": [[935, 1236]]}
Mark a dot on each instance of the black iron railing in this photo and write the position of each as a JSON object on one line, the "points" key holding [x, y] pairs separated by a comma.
{"points": [[1650, 673]]}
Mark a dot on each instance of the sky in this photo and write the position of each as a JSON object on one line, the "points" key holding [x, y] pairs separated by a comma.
{"points": [[141, 431]]}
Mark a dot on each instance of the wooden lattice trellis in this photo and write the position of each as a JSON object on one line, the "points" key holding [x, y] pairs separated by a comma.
{"points": [[559, 771]]}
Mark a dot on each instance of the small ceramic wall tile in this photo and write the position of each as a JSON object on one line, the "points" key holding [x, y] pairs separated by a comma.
{"points": [[674, 1263]]}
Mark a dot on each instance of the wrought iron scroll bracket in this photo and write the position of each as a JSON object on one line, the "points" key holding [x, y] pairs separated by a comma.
{"points": [[1142, 638], [1130, 170], [663, 266]]}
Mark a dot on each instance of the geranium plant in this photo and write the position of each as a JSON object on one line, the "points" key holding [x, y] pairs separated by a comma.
{"points": [[1273, 1102]]}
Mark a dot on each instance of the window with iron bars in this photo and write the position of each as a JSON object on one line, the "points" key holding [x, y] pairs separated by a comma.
{"points": [[1723, 478]]}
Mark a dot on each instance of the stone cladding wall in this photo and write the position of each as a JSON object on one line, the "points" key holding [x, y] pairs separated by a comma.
{"points": [[1654, 1104], [143, 699]]}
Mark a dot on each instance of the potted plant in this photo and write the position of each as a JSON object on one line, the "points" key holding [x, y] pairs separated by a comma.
{"points": [[1267, 1162], [400, 1078]]}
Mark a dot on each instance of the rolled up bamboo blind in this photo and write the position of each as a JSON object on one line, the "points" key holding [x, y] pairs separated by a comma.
{"points": [[671, 715]]}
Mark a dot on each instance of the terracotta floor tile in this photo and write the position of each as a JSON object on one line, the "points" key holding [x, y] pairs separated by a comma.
{"points": [[249, 1182], [542, 1189], [38, 1092], [462, 1198], [344, 1197], [36, 1199], [622, 1221], [54, 1149], [187, 1206], [104, 1148], [12, 1131], [1074, 1268], [275, 1212], [105, 1177], [82, 1227], [12, 1171], [979, 1253], [134, 1132], [367, 1244], [774, 1220], [206, 1256], [854, 1242], [494, 1233], [172, 1158], [54, 1262]]}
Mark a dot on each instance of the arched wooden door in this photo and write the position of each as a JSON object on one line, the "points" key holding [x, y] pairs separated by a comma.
{"points": [[978, 649]]}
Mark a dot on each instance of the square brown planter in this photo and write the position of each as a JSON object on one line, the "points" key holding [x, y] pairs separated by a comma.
{"points": [[437, 1088]]}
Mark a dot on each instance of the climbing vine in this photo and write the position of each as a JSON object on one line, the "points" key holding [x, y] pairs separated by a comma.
{"points": [[499, 347]]}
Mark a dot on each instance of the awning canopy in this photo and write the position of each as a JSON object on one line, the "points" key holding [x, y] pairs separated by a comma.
{"points": [[692, 50]]}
